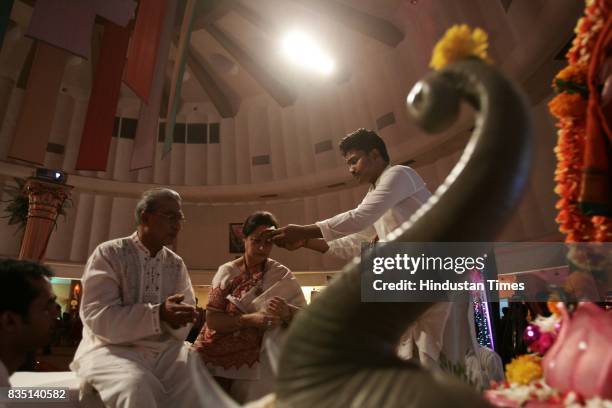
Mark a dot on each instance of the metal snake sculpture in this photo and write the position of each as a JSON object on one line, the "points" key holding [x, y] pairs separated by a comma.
{"points": [[340, 352]]}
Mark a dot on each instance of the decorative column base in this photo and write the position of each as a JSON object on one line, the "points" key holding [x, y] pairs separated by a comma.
{"points": [[45, 201]]}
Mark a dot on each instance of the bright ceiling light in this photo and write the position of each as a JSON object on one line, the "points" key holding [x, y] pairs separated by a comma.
{"points": [[303, 50]]}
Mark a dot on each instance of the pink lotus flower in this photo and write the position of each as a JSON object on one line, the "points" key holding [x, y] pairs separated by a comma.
{"points": [[581, 358]]}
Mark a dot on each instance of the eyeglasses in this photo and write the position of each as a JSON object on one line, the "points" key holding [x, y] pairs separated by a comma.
{"points": [[172, 218]]}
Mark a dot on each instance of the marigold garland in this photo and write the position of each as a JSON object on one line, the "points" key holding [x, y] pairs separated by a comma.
{"points": [[460, 42], [574, 73], [524, 369], [569, 106]]}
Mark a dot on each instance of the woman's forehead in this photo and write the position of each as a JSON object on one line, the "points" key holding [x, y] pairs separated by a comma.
{"points": [[259, 229]]}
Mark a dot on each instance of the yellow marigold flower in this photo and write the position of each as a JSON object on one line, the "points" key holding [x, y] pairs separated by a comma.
{"points": [[524, 369], [573, 73], [460, 42]]}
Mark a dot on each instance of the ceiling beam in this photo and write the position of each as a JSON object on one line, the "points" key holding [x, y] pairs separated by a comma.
{"points": [[257, 19], [212, 85], [280, 92], [374, 27], [209, 11]]}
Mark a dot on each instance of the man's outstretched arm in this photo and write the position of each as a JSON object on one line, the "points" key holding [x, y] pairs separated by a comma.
{"points": [[292, 234]]}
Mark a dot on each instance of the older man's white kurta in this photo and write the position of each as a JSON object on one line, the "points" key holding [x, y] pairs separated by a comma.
{"points": [[395, 196], [127, 354]]}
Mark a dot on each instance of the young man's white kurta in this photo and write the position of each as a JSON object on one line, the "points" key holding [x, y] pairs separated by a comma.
{"points": [[127, 354], [395, 196]]}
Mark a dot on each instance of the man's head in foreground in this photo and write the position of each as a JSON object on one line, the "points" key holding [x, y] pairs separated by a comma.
{"points": [[27, 310]]}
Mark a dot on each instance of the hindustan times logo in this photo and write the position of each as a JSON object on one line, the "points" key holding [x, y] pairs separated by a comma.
{"points": [[411, 264]]}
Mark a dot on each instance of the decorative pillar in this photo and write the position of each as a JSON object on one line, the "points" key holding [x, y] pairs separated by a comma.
{"points": [[45, 200]]}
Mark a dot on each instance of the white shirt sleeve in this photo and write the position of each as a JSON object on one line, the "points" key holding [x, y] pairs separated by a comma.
{"points": [[395, 185], [102, 310], [184, 288], [349, 246]]}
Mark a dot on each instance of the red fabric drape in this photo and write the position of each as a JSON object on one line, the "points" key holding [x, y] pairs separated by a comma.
{"points": [[98, 128], [68, 24], [140, 67], [143, 153]]}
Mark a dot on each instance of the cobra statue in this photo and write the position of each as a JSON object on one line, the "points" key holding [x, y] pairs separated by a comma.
{"points": [[340, 352]]}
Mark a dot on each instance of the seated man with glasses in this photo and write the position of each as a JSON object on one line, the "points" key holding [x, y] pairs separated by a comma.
{"points": [[137, 308]]}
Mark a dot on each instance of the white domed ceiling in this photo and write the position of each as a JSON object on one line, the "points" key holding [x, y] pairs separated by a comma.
{"points": [[253, 125]]}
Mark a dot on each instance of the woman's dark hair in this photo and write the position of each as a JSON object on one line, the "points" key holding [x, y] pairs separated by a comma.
{"points": [[17, 290], [366, 140], [257, 219]]}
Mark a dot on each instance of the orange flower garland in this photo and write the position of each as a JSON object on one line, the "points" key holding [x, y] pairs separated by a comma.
{"points": [[573, 73], [569, 106]]}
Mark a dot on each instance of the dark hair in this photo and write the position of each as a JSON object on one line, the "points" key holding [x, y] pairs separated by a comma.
{"points": [[366, 140], [17, 291], [257, 219]]}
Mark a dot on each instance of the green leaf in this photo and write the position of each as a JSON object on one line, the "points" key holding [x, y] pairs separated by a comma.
{"points": [[17, 207], [571, 88]]}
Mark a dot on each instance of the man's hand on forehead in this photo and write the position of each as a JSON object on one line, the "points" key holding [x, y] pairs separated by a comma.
{"points": [[264, 235], [287, 235], [270, 233]]}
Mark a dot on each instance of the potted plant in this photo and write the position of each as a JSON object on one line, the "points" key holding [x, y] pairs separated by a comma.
{"points": [[17, 206]]}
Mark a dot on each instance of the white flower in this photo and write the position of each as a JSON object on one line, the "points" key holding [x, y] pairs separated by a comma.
{"points": [[547, 324]]}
